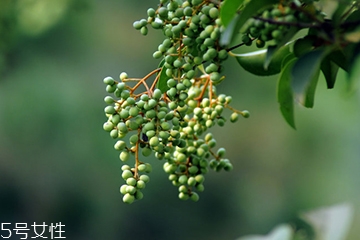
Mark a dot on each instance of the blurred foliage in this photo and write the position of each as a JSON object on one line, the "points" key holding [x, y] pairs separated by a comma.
{"points": [[57, 163]]}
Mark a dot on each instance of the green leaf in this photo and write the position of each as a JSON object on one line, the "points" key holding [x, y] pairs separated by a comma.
{"points": [[253, 62], [284, 41], [304, 73], [339, 58], [249, 10], [331, 223], [285, 94], [228, 10], [281, 232], [330, 70], [162, 82], [230, 31], [338, 13], [310, 91]]}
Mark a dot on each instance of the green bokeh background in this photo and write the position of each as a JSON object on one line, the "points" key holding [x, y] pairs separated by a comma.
{"points": [[58, 165]]}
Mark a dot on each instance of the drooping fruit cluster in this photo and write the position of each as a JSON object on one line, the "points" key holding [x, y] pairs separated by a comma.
{"points": [[170, 116], [271, 25]]}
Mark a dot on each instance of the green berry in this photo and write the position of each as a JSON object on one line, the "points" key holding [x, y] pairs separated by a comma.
{"points": [[183, 196], [123, 189], [140, 184], [126, 174], [128, 198], [157, 54], [124, 156], [131, 181], [145, 178], [234, 117], [194, 197], [213, 12], [154, 141], [108, 126], [120, 145]]}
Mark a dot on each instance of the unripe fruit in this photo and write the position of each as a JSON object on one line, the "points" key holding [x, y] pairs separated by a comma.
{"points": [[109, 110], [108, 126], [139, 195], [140, 184], [151, 12], [183, 196], [124, 156], [245, 113], [213, 12], [131, 181], [120, 145], [194, 197], [154, 141], [128, 198], [126, 174], [146, 151], [157, 54], [234, 117], [123, 189], [145, 178]]}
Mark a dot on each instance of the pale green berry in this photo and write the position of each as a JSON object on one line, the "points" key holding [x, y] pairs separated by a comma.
{"points": [[183, 196], [124, 156], [142, 167], [183, 179], [200, 178], [154, 141], [130, 189], [183, 189], [125, 167], [131, 181], [145, 178], [123, 189], [234, 117], [126, 174], [140, 184], [109, 81], [114, 134], [191, 181], [128, 198], [108, 126]]}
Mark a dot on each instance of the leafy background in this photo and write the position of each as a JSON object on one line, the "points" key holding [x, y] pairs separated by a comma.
{"points": [[57, 163]]}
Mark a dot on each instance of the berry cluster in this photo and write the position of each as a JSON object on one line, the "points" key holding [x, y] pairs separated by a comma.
{"points": [[170, 116], [271, 25]]}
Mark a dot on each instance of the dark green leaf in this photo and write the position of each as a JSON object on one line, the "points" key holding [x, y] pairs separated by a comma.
{"points": [[250, 10], [285, 95], [253, 62], [310, 91], [285, 40], [230, 31], [303, 74], [287, 59], [162, 82], [228, 10], [340, 59], [330, 70], [342, 7]]}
